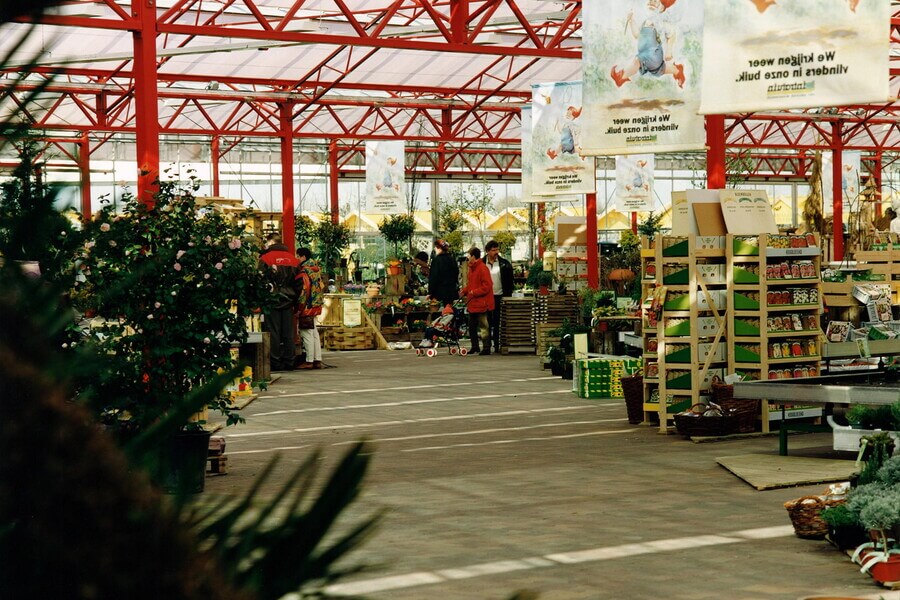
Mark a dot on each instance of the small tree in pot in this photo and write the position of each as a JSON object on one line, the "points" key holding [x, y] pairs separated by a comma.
{"points": [[171, 286]]}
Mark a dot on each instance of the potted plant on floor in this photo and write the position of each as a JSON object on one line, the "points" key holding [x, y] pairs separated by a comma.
{"points": [[397, 229], [539, 279], [171, 285]]}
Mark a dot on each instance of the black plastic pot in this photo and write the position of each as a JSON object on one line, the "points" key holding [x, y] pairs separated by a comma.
{"points": [[182, 462], [846, 537]]}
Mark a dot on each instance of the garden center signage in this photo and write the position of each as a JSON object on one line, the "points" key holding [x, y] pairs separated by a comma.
{"points": [[641, 71], [558, 163], [634, 182], [385, 186], [765, 55]]}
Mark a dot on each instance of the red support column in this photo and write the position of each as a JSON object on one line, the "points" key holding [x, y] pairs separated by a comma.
{"points": [[146, 109], [214, 165], [84, 170], [837, 196], [333, 182], [459, 16], [634, 222], [593, 251], [287, 175], [715, 152]]}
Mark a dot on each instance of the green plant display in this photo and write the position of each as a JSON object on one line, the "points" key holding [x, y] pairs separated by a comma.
{"points": [[331, 241], [305, 229], [29, 229], [172, 285], [506, 239], [650, 226], [889, 474], [548, 240], [874, 417], [398, 229]]}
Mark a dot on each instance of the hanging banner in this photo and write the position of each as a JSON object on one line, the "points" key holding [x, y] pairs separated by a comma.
{"points": [[641, 69], [527, 170], [634, 182], [762, 55], [558, 165], [385, 187]]}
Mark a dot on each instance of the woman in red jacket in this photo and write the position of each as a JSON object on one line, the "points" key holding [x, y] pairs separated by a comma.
{"points": [[479, 293]]}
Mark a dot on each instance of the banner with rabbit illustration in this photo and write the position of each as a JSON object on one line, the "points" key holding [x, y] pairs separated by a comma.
{"points": [[641, 69], [850, 185], [557, 161], [385, 186], [634, 182], [764, 55]]}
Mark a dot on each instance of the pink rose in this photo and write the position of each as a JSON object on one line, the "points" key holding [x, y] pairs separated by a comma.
{"points": [[234, 244], [219, 266], [104, 227], [177, 267], [179, 254]]}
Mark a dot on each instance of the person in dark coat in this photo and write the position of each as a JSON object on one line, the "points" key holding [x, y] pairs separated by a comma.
{"points": [[443, 276], [479, 295], [281, 268], [502, 279]]}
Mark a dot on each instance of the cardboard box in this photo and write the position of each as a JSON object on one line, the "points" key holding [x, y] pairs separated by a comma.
{"points": [[711, 274], [866, 292]]}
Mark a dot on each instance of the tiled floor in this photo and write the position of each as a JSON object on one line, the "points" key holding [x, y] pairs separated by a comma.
{"points": [[497, 478]]}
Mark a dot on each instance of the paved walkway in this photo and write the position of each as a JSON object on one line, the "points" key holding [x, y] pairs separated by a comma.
{"points": [[497, 477]]}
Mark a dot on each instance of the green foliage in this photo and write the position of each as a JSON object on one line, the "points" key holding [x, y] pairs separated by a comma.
{"points": [[650, 226], [451, 219], [305, 230], [537, 276], [174, 285], [839, 516], [397, 229], [548, 240], [283, 547], [880, 446], [457, 240], [506, 239], [331, 241], [882, 513], [30, 229], [889, 474], [592, 299], [873, 417]]}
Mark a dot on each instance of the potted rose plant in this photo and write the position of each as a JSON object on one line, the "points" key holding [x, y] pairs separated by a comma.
{"points": [[171, 286]]}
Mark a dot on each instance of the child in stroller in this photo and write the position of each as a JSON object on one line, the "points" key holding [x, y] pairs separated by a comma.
{"points": [[445, 330]]}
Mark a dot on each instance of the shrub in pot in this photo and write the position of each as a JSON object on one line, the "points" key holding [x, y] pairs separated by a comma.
{"points": [[170, 285]]}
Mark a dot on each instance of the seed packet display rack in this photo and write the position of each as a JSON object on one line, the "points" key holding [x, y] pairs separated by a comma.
{"points": [[687, 347], [775, 308]]}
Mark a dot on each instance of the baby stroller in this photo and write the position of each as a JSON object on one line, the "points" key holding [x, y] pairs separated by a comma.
{"points": [[446, 330]]}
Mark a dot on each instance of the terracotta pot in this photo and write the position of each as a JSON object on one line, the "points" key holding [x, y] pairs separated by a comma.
{"points": [[393, 269], [621, 275]]}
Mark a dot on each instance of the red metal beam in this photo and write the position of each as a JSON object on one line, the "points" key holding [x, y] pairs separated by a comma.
{"points": [[287, 177], [715, 152], [147, 103], [593, 248], [837, 192]]}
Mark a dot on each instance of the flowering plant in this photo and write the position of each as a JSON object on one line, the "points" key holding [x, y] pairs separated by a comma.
{"points": [[171, 285]]}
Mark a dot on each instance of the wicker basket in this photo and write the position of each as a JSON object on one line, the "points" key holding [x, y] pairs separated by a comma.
{"points": [[693, 422], [633, 390], [743, 412], [806, 517]]}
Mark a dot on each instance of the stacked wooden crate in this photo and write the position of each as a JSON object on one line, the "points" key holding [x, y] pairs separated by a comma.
{"points": [[544, 339], [555, 309], [349, 338], [517, 325]]}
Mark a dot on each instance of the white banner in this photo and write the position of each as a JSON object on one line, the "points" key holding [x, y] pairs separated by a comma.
{"points": [[558, 165], [762, 55], [527, 170], [385, 168], [634, 182], [641, 69]]}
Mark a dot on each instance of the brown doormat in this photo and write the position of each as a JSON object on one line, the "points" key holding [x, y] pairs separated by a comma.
{"points": [[770, 471]]}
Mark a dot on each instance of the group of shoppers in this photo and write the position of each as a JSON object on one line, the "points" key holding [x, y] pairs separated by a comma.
{"points": [[296, 282], [488, 280]]}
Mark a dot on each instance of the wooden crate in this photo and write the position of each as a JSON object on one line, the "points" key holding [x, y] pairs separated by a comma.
{"points": [[350, 338], [517, 325], [257, 356], [544, 340]]}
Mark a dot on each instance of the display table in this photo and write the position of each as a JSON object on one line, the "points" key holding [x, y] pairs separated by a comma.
{"points": [[849, 389]]}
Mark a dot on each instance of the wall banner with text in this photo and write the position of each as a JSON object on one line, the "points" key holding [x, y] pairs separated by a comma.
{"points": [[525, 136], [641, 69], [762, 55], [634, 182], [557, 161], [385, 168]]}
